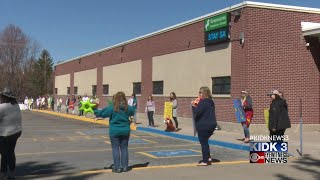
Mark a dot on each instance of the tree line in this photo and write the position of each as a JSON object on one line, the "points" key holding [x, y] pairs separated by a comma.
{"points": [[25, 68]]}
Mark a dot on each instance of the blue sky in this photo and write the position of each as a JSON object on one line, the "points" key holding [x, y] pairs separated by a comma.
{"points": [[70, 28]]}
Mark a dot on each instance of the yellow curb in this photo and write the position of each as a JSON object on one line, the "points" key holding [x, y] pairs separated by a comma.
{"points": [[163, 167], [104, 122]]}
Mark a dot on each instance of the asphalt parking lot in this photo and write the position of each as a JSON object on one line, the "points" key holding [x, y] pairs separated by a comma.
{"points": [[52, 145]]}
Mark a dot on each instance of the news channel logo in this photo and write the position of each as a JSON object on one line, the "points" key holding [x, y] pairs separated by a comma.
{"points": [[269, 152]]}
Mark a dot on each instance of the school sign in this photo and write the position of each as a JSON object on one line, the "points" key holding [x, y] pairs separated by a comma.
{"points": [[216, 28]]}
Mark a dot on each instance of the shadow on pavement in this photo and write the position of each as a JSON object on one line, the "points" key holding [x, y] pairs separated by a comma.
{"points": [[305, 164], [132, 166], [38, 170]]}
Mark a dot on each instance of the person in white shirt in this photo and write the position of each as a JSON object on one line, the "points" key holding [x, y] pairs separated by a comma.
{"points": [[31, 103], [43, 102], [85, 98], [59, 104], [38, 102], [10, 131], [26, 103]]}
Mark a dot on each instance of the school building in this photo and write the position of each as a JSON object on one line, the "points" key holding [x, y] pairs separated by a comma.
{"points": [[253, 46]]}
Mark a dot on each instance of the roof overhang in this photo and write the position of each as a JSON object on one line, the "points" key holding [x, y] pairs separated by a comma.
{"points": [[310, 29]]}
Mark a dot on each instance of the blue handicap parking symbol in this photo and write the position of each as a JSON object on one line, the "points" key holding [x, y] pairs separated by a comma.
{"points": [[175, 153], [138, 141]]}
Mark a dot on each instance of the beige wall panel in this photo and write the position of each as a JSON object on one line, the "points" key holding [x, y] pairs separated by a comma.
{"points": [[84, 80], [121, 76], [62, 82], [185, 72]]}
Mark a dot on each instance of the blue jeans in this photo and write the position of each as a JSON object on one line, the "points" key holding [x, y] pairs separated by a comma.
{"points": [[120, 146], [246, 131]]}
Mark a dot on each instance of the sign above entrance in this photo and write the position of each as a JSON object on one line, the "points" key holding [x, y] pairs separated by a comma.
{"points": [[216, 22], [216, 36]]}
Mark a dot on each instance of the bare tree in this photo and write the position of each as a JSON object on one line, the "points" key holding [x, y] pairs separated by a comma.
{"points": [[17, 51]]}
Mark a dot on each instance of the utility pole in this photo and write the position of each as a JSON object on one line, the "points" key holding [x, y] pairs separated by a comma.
{"points": [[45, 73]]}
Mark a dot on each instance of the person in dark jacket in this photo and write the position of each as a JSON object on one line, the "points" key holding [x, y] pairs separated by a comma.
{"points": [[279, 119], [205, 122]]}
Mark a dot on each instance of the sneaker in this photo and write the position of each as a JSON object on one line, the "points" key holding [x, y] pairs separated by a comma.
{"points": [[116, 170], [126, 169]]}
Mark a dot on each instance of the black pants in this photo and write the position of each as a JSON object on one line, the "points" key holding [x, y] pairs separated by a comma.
{"points": [[278, 133], [175, 121], [204, 136], [8, 156], [150, 118]]}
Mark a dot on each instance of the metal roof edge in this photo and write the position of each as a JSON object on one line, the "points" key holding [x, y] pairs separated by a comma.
{"points": [[195, 20]]}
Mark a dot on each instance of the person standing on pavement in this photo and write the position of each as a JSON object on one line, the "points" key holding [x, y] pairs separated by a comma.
{"points": [[119, 130], [72, 103], [52, 103], [26, 103], [173, 99], [38, 102], [134, 104], [43, 102], [49, 99], [10, 131], [246, 103], [150, 110], [79, 106], [59, 104], [205, 122], [67, 104], [279, 119]]}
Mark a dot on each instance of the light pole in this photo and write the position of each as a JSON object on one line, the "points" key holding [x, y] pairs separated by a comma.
{"points": [[45, 72]]}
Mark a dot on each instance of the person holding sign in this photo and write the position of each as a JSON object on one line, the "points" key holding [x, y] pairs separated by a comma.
{"points": [[168, 117], [173, 99], [205, 122], [246, 103]]}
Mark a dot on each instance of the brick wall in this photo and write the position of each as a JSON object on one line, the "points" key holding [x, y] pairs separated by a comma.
{"points": [[276, 57], [273, 56]]}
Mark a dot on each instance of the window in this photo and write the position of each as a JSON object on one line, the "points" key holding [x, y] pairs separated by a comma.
{"points": [[221, 85], [94, 89], [68, 90], [137, 88], [157, 87], [105, 89], [75, 90], [55, 90]]}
